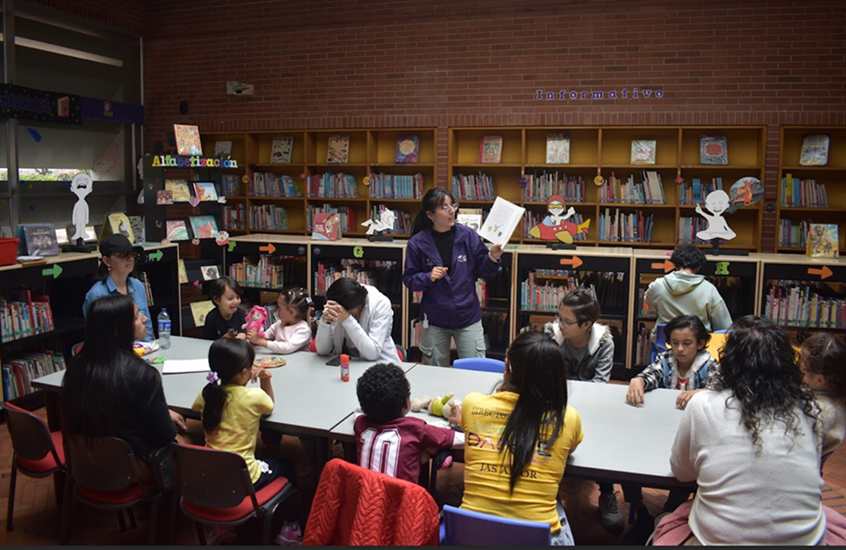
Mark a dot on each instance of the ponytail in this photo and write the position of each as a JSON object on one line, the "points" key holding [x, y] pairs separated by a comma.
{"points": [[228, 357]]}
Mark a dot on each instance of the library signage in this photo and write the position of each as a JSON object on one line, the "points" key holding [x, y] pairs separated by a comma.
{"points": [[623, 93], [193, 162], [30, 104]]}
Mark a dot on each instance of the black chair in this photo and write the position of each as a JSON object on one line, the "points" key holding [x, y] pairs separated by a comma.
{"points": [[37, 452], [105, 474], [214, 488]]}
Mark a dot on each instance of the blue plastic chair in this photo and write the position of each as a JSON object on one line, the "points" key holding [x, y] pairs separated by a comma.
{"points": [[466, 528], [484, 364], [660, 344]]}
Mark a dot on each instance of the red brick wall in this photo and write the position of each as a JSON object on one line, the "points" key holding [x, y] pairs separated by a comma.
{"points": [[362, 63]]}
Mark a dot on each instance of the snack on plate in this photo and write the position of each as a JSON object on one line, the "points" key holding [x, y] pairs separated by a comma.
{"points": [[269, 361], [143, 348]]}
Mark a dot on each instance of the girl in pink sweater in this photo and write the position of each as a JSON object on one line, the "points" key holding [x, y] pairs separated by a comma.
{"points": [[292, 332]]}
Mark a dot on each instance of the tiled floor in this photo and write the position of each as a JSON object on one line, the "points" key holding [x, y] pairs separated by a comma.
{"points": [[36, 519]]}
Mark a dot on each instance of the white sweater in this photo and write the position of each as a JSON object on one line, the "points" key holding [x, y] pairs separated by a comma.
{"points": [[773, 498]]}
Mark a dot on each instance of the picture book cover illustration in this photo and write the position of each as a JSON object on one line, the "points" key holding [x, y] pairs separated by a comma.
{"points": [[183, 274], [327, 227], [179, 188], [281, 149], [222, 148], [187, 140], [555, 225], [473, 220], [164, 197], [117, 223], [823, 240], [408, 146], [643, 151], [203, 227], [137, 224], [177, 231], [38, 239], [814, 150], [199, 310], [205, 190], [210, 272], [490, 150], [745, 192], [557, 148], [713, 149], [338, 151]]}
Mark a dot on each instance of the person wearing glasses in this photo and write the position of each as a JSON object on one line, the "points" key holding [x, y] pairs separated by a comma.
{"points": [[116, 265], [443, 260]]}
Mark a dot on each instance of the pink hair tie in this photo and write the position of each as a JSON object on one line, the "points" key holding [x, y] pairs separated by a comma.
{"points": [[212, 377]]}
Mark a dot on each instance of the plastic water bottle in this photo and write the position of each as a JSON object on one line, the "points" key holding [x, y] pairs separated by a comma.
{"points": [[164, 329]]}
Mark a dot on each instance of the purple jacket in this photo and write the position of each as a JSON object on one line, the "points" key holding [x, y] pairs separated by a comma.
{"points": [[450, 302]]}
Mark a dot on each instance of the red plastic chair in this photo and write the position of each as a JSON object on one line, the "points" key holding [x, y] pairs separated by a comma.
{"points": [[37, 452], [214, 488]]}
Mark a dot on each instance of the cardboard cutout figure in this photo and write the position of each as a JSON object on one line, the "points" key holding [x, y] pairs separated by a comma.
{"points": [[81, 186], [384, 223], [555, 225], [717, 202]]}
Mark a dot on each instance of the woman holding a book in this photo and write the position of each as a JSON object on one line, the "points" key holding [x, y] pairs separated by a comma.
{"points": [[117, 263], [443, 261]]}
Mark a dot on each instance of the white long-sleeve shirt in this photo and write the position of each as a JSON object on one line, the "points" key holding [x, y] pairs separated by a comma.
{"points": [[288, 338], [369, 337]]}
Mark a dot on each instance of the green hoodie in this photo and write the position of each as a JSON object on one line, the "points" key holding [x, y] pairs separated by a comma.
{"points": [[680, 293]]}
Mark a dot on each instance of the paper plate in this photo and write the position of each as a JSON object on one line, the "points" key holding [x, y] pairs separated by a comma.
{"points": [[269, 362]]}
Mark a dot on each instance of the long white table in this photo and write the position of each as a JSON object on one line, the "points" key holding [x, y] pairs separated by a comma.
{"points": [[621, 443]]}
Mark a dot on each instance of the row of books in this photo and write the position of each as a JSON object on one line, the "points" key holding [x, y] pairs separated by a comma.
{"points": [[649, 191], [263, 273], [804, 304], [689, 227], [268, 216], [621, 227], [21, 369], [793, 234], [332, 184], [402, 221], [234, 216], [482, 292], [388, 186], [532, 219], [548, 295], [179, 190], [643, 345], [23, 314], [542, 185], [696, 191], [799, 192], [473, 188], [363, 272], [273, 185], [348, 216], [231, 185], [644, 309]]}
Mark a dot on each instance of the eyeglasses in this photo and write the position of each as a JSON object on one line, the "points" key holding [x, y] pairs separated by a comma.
{"points": [[564, 322], [450, 208]]}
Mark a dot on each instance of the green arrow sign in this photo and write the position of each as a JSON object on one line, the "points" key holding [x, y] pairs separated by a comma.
{"points": [[231, 246], [55, 270], [157, 255]]}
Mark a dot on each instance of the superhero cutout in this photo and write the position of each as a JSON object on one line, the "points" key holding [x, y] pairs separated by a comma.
{"points": [[555, 225]]}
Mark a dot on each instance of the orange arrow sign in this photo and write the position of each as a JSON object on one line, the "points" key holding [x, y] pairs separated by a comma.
{"points": [[667, 265], [824, 273], [270, 249], [575, 262]]}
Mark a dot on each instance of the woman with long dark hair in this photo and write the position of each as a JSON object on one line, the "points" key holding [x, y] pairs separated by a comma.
{"points": [[443, 260], [753, 447], [519, 438], [108, 390]]}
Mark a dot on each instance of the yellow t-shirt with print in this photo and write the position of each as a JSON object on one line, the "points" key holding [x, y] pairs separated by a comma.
{"points": [[487, 472], [239, 423]]}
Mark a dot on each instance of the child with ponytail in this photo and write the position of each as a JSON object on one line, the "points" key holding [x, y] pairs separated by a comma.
{"points": [[292, 332]]}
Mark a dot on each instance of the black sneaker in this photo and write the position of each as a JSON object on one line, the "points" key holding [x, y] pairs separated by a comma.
{"points": [[609, 513]]}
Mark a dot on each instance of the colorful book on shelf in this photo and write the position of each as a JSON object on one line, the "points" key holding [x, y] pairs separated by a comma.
{"points": [[204, 227], [643, 151], [281, 149], [338, 151], [713, 149], [222, 148], [179, 188], [187, 140], [327, 227], [210, 272], [199, 311], [183, 274], [557, 148], [137, 224], [490, 150], [117, 223], [823, 240], [408, 146], [814, 150], [164, 197], [177, 231], [205, 190], [37, 239], [473, 219]]}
